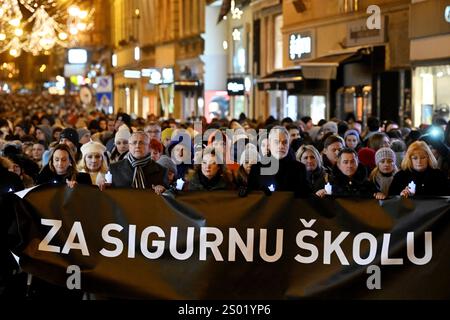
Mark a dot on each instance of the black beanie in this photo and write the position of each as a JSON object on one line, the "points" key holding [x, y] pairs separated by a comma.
{"points": [[70, 134]]}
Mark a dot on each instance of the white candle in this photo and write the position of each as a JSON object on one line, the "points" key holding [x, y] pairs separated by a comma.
{"points": [[180, 183], [412, 187], [328, 188], [108, 177]]}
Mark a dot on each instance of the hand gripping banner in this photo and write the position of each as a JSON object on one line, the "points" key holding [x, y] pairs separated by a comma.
{"points": [[135, 244]]}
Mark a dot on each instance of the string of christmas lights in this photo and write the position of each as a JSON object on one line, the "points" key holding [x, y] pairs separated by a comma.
{"points": [[51, 23]]}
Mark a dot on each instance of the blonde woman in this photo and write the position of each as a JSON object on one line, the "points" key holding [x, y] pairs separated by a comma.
{"points": [[315, 174], [419, 166], [93, 161]]}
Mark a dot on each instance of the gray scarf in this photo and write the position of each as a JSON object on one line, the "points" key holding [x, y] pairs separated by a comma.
{"points": [[383, 182], [138, 176]]}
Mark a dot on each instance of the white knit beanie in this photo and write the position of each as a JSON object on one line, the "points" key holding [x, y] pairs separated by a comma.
{"points": [[92, 147], [122, 134], [384, 153]]}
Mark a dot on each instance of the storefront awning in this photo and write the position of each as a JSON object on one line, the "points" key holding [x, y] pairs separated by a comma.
{"points": [[283, 79], [292, 80], [326, 67], [188, 85]]}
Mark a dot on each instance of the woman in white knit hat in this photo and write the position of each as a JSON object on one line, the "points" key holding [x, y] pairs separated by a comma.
{"points": [[383, 174], [121, 148], [94, 162]]}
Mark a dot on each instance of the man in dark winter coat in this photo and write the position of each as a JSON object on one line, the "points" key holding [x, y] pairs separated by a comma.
{"points": [[349, 178], [283, 172], [138, 170]]}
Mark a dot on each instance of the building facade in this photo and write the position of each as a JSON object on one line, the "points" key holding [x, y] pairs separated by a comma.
{"points": [[268, 46], [156, 58], [333, 65], [430, 58], [283, 58]]}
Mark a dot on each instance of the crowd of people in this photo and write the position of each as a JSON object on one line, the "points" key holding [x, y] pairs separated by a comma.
{"points": [[47, 140], [43, 140]]}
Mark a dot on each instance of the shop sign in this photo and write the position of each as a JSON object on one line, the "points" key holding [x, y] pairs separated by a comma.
{"points": [[132, 74], [236, 86], [104, 94], [77, 56], [167, 75], [300, 46], [358, 34], [74, 70], [104, 84], [158, 76]]}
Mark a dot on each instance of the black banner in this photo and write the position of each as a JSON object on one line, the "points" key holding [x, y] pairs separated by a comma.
{"points": [[134, 244]]}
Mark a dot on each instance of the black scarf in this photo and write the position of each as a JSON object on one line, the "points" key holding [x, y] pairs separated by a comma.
{"points": [[208, 184], [138, 176]]}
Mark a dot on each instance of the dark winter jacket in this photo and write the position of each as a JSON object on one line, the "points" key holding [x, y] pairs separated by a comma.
{"points": [[290, 176], [327, 165], [9, 181], [356, 186], [198, 182], [316, 179], [122, 173], [48, 176]]}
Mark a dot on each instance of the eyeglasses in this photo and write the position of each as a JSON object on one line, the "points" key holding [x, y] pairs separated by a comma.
{"points": [[138, 143], [153, 131]]}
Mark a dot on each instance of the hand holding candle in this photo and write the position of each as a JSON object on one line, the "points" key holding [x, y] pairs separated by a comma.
{"points": [[328, 188], [108, 177], [412, 187], [180, 184]]}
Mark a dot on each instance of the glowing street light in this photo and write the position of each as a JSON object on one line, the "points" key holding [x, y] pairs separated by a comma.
{"points": [[63, 36], [74, 11], [18, 32], [14, 22]]}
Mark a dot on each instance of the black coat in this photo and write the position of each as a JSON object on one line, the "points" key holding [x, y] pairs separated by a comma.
{"points": [[12, 284], [291, 176], [357, 186], [122, 174], [431, 182], [9, 181], [317, 179], [198, 182], [327, 165], [48, 176]]}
